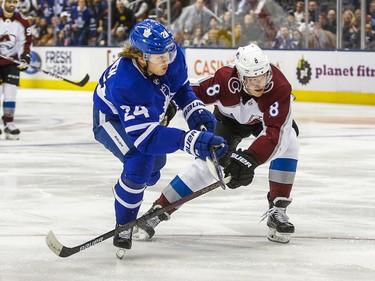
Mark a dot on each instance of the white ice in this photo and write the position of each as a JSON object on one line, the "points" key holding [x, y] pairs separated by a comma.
{"points": [[56, 177]]}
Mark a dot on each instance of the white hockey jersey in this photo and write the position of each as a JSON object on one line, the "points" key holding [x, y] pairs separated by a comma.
{"points": [[15, 36]]}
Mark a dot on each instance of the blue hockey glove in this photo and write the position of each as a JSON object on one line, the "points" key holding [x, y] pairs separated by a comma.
{"points": [[25, 59], [198, 144], [196, 114]]}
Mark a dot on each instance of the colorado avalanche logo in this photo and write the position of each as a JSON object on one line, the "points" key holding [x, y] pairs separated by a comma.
{"points": [[7, 41], [234, 85], [269, 87]]}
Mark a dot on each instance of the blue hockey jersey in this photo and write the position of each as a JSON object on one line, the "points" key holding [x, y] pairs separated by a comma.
{"points": [[140, 102]]}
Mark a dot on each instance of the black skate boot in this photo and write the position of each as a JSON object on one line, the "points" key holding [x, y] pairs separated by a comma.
{"points": [[146, 230], [280, 229], [123, 239], [11, 131]]}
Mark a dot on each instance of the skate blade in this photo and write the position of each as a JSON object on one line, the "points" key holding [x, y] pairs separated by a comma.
{"points": [[140, 235], [120, 253], [278, 237]]}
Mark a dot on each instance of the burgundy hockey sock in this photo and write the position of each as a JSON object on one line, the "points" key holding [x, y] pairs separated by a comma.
{"points": [[163, 201], [279, 190]]}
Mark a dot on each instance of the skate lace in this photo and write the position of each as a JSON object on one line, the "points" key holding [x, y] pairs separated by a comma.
{"points": [[10, 126], [126, 234], [153, 222], [280, 214]]}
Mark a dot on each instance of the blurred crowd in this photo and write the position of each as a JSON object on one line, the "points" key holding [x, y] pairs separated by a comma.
{"points": [[277, 24]]}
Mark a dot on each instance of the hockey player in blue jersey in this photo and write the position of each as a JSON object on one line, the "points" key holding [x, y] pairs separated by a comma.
{"points": [[130, 104]]}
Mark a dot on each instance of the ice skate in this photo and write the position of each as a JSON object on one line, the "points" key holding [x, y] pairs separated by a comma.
{"points": [[11, 131], [146, 230], [123, 241], [280, 229]]}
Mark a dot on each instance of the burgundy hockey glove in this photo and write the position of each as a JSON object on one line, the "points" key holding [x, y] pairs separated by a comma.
{"points": [[241, 168], [25, 59]]}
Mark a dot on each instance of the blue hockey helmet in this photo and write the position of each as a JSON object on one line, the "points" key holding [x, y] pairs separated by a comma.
{"points": [[152, 38]]}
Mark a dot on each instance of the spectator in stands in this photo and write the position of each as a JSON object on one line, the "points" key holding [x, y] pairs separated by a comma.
{"points": [[198, 39], [122, 16], [120, 37], [213, 39], [46, 10], [64, 38], [372, 14], [369, 37], [284, 39], [298, 39], [291, 21], [252, 31], [140, 9], [264, 18], [225, 36], [219, 7], [347, 23], [226, 22], [355, 37], [321, 39], [34, 27], [160, 12], [60, 38], [195, 15], [299, 13], [48, 38], [83, 25], [331, 24], [185, 39], [313, 12], [24, 7], [99, 10]]}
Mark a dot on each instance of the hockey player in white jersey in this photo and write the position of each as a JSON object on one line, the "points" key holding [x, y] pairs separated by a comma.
{"points": [[130, 103], [251, 97], [15, 42]]}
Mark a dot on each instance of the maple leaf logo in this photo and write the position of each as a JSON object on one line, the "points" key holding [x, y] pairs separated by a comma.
{"points": [[147, 32]]}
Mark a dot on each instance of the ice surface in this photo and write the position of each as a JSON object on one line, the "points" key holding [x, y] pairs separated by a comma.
{"points": [[56, 177]]}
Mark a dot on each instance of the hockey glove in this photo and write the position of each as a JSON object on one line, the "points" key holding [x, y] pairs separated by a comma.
{"points": [[169, 114], [241, 167], [197, 115], [25, 60], [198, 144]]}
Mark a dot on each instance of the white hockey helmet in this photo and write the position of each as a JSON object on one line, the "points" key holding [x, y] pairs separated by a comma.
{"points": [[251, 61]]}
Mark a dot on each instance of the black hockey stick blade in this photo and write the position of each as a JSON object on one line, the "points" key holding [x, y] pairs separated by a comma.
{"points": [[64, 251], [81, 83], [214, 167]]}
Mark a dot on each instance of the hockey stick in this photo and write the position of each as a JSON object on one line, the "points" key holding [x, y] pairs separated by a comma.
{"points": [[214, 167], [213, 164], [81, 83], [63, 251]]}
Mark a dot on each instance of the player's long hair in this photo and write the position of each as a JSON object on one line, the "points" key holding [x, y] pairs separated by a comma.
{"points": [[133, 53], [130, 52]]}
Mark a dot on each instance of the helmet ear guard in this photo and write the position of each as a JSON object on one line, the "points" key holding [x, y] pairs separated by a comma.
{"points": [[151, 37], [251, 62]]}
